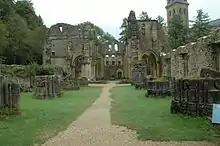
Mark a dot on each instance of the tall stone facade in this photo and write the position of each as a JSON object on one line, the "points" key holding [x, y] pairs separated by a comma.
{"points": [[146, 45], [178, 7], [113, 60], [70, 47], [74, 48], [190, 60]]}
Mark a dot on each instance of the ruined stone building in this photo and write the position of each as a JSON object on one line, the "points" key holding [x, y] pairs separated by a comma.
{"points": [[73, 48], [197, 59], [113, 60], [146, 45]]}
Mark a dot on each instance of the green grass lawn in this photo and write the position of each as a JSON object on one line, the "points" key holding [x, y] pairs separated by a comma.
{"points": [[152, 120], [42, 119]]}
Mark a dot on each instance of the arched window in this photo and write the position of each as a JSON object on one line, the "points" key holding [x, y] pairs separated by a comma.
{"points": [[116, 47]]}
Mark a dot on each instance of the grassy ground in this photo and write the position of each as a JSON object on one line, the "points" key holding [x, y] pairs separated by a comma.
{"points": [[42, 119], [152, 120]]}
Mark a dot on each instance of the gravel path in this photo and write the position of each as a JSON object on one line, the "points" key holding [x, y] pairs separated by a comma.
{"points": [[93, 128]]}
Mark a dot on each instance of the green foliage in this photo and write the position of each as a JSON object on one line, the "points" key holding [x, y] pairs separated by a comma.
{"points": [[177, 32], [124, 32], [160, 20], [21, 32], [152, 120], [42, 119], [200, 26], [144, 16], [97, 34], [30, 70]]}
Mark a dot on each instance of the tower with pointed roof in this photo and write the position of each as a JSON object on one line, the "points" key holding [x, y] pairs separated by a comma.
{"points": [[178, 7]]}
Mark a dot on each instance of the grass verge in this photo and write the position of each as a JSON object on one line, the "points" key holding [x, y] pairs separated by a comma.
{"points": [[152, 120], [42, 119]]}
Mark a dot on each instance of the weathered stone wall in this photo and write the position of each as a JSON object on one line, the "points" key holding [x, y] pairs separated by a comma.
{"points": [[9, 97], [195, 97], [146, 39], [113, 60], [65, 43], [151, 38], [47, 87], [200, 54]]}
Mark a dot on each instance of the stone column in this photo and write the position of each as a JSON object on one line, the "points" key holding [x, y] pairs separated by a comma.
{"points": [[83, 72], [158, 69], [88, 71], [102, 67]]}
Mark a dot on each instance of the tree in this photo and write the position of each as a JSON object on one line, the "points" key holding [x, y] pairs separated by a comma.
{"points": [[144, 16], [160, 20], [124, 32], [25, 9], [21, 32], [200, 26], [177, 32], [3, 37]]}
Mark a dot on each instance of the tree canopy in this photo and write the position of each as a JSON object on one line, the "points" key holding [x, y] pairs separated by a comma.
{"points": [[177, 32], [200, 26], [22, 32]]}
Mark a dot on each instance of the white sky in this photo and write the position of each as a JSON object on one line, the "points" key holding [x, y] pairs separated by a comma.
{"points": [[109, 14]]}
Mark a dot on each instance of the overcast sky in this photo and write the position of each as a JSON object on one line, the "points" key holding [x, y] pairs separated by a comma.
{"points": [[109, 14]]}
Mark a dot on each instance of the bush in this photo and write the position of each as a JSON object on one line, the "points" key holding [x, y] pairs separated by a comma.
{"points": [[30, 70]]}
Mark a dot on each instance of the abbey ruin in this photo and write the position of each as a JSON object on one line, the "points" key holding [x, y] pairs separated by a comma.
{"points": [[73, 48]]}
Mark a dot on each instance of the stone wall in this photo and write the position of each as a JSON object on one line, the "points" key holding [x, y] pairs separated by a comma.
{"points": [[9, 97], [47, 87], [146, 41], [65, 43], [195, 97], [204, 53]]}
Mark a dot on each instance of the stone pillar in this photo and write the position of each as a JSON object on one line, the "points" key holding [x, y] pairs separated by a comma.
{"points": [[158, 69], [89, 71], [83, 70], [102, 67]]}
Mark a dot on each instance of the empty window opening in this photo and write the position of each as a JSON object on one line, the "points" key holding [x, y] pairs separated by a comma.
{"points": [[113, 62], [184, 11], [116, 47], [174, 11], [110, 46], [61, 29], [53, 53], [107, 63], [119, 62]]}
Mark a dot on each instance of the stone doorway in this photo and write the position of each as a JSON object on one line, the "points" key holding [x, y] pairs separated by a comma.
{"points": [[119, 74], [152, 64], [78, 65]]}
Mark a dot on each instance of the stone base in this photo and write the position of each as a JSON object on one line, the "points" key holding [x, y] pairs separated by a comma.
{"points": [[47, 87], [190, 109], [158, 93]]}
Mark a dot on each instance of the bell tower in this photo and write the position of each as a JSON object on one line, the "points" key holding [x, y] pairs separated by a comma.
{"points": [[178, 7]]}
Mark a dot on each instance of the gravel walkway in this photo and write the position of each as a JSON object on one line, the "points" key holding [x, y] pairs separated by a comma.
{"points": [[93, 128]]}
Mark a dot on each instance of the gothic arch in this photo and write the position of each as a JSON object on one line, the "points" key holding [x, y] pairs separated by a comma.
{"points": [[153, 63], [119, 74]]}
